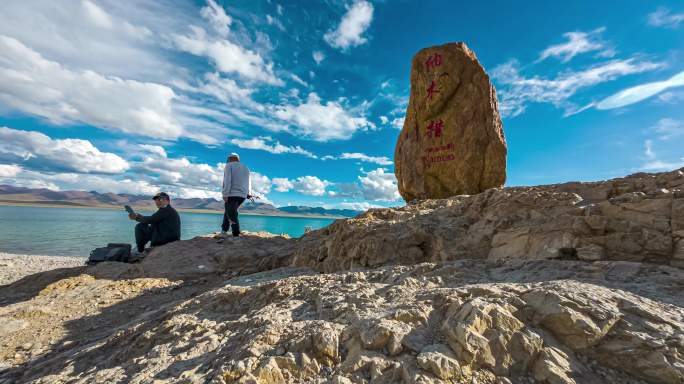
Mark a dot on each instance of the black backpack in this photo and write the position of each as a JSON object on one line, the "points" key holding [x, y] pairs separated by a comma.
{"points": [[112, 252]]}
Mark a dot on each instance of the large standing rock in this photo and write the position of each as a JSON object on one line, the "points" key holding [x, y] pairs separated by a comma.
{"points": [[452, 142]]}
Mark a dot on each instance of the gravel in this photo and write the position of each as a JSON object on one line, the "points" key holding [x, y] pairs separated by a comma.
{"points": [[14, 267]]}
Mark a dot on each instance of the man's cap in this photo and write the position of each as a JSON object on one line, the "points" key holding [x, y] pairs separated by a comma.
{"points": [[160, 195], [233, 154]]}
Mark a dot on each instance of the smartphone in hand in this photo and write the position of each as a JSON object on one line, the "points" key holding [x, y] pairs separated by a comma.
{"points": [[129, 209]]}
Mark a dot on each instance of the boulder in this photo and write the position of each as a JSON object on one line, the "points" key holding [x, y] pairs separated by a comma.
{"points": [[452, 142]]}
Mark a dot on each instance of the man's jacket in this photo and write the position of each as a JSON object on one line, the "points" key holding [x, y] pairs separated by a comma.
{"points": [[166, 225], [236, 180]]}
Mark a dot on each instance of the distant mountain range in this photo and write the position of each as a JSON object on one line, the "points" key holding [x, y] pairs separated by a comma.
{"points": [[10, 194]]}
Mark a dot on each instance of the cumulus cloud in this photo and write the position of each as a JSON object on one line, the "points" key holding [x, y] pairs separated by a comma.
{"points": [[308, 185], [577, 43], [9, 170], [227, 57], [79, 182], [266, 143], [154, 149], [398, 122], [261, 185], [321, 122], [379, 185], [282, 184], [181, 172], [35, 148], [662, 17], [31, 84], [349, 33], [358, 206], [381, 160], [516, 91], [640, 92]]}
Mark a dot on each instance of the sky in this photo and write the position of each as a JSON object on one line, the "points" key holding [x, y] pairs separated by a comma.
{"points": [[141, 96]]}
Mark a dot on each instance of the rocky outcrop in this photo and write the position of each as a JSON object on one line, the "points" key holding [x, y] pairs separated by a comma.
{"points": [[452, 142], [636, 218], [467, 321], [437, 292]]}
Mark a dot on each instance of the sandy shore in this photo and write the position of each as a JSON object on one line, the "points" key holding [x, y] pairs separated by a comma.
{"points": [[14, 267]]}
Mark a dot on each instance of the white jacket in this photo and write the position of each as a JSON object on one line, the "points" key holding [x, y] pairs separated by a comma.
{"points": [[236, 180]]}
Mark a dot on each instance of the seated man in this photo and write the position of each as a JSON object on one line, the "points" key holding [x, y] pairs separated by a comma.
{"points": [[163, 227]]}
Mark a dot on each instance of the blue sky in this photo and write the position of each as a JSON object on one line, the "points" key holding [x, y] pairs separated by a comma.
{"points": [[137, 96]]}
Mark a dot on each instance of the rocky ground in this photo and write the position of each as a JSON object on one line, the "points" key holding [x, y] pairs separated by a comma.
{"points": [[574, 283]]}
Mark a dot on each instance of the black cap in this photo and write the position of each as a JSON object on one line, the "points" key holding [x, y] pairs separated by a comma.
{"points": [[160, 195]]}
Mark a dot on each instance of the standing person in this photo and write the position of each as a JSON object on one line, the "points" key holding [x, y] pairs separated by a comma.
{"points": [[236, 187], [163, 227]]}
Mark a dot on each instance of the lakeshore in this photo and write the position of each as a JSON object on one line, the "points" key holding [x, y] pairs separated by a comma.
{"points": [[55, 204], [14, 267]]}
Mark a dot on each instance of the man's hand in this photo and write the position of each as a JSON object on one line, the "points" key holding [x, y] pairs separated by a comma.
{"points": [[134, 216], [225, 199]]}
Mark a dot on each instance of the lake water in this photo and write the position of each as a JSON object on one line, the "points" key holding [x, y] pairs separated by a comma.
{"points": [[76, 231]]}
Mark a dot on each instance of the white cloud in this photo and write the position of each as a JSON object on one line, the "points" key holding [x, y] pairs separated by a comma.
{"points": [[653, 164], [181, 172], [71, 154], [381, 160], [640, 92], [310, 185], [299, 80], [668, 128], [352, 26], [358, 206], [516, 91], [227, 56], [384, 120], [192, 193], [282, 184], [318, 57], [398, 123], [34, 85], [261, 185], [217, 17], [9, 170], [663, 18], [378, 185], [266, 143], [578, 42], [108, 37], [321, 122], [154, 149], [80, 182]]}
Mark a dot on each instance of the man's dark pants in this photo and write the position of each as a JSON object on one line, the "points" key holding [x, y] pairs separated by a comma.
{"points": [[143, 234], [231, 215]]}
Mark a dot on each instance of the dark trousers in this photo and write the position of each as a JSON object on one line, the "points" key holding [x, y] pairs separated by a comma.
{"points": [[143, 234], [230, 216]]}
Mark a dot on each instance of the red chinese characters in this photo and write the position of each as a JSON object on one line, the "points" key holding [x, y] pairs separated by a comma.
{"points": [[432, 90], [433, 61], [434, 129]]}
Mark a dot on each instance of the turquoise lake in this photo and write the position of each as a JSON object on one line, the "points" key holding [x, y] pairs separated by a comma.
{"points": [[76, 231]]}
